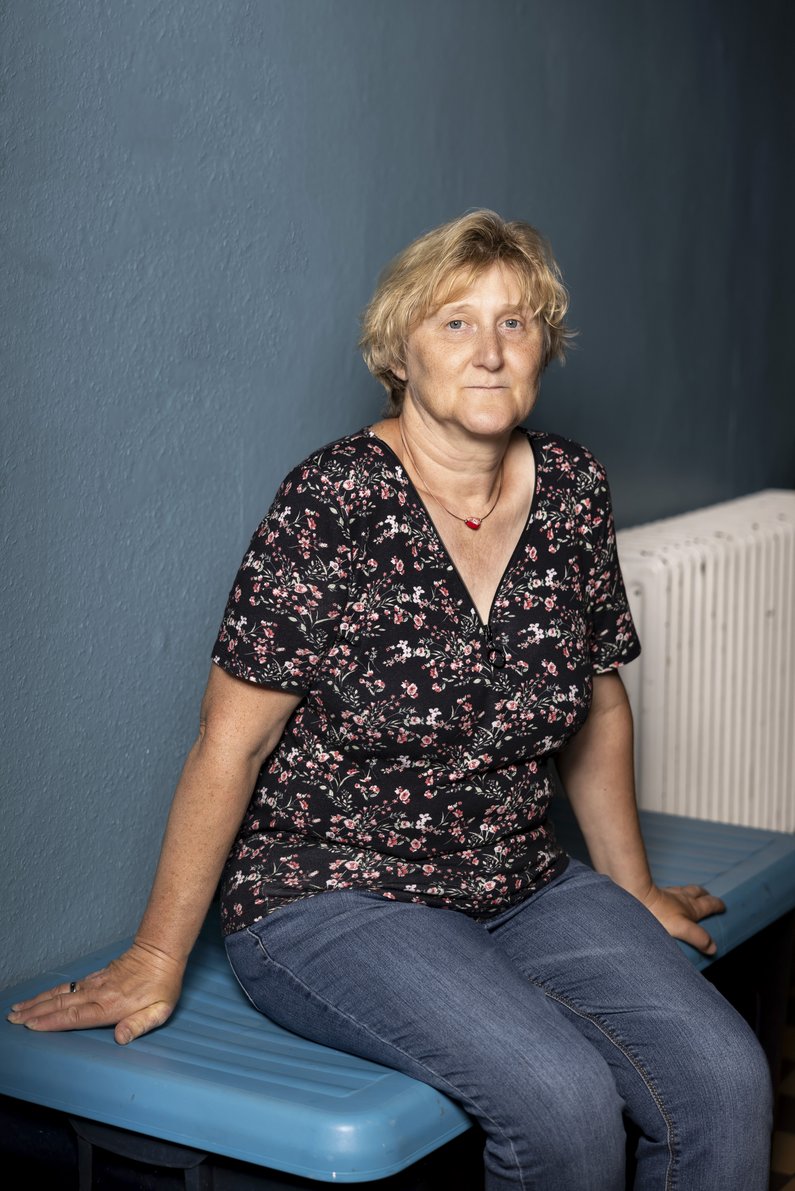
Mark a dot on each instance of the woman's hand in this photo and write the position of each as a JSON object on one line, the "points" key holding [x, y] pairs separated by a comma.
{"points": [[679, 908], [135, 993]]}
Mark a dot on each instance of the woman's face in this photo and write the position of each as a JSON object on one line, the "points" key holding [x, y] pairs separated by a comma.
{"points": [[474, 363]]}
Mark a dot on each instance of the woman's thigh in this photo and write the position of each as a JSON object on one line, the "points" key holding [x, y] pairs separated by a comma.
{"points": [[430, 992], [688, 1067]]}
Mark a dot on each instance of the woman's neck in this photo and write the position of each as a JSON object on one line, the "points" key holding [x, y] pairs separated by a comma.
{"points": [[462, 469]]}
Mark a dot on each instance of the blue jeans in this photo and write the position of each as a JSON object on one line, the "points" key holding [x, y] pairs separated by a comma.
{"points": [[547, 1023]]}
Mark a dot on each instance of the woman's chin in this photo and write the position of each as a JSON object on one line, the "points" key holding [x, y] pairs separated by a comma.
{"points": [[490, 423]]}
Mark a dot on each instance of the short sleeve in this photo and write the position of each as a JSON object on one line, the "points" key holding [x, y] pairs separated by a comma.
{"points": [[284, 609], [614, 641]]}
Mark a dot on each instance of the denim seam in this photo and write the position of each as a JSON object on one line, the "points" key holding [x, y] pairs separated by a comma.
{"points": [[670, 1183], [456, 1094]]}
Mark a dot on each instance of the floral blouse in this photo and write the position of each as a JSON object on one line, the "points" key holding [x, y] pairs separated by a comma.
{"points": [[418, 763]]}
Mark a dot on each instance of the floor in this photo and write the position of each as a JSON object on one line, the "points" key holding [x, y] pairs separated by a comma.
{"points": [[782, 1177]]}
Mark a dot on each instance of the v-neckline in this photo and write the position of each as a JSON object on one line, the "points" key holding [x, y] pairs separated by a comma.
{"points": [[440, 545]]}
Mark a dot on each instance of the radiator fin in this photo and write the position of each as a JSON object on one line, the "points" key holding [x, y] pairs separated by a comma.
{"points": [[713, 692]]}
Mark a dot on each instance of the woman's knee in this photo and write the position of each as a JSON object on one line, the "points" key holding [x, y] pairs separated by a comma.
{"points": [[740, 1077], [729, 1080], [562, 1124]]}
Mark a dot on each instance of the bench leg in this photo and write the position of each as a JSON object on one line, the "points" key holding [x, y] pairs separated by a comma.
{"points": [[85, 1156], [139, 1147], [199, 1178]]}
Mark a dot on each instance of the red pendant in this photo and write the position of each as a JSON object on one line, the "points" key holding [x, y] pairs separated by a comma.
{"points": [[473, 522]]}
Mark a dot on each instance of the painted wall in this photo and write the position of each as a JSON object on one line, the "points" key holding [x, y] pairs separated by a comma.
{"points": [[197, 200]]}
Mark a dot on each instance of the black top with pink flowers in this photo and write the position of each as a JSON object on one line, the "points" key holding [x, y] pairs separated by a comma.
{"points": [[418, 763]]}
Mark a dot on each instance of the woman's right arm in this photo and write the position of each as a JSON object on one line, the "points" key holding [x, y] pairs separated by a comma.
{"points": [[241, 724]]}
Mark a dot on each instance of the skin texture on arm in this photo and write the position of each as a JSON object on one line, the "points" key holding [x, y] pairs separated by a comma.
{"points": [[596, 769], [240, 725]]}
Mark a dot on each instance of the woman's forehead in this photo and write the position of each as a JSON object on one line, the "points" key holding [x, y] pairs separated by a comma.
{"points": [[462, 282]]}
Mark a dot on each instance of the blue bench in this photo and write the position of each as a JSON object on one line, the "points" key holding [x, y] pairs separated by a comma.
{"points": [[222, 1080]]}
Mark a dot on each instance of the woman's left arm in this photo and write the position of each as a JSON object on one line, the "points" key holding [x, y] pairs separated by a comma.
{"points": [[597, 772]]}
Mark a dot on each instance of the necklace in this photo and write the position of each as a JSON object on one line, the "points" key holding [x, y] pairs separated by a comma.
{"points": [[470, 522]]}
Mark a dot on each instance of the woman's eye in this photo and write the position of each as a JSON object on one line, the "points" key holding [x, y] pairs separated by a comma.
{"points": [[512, 324], [455, 324]]}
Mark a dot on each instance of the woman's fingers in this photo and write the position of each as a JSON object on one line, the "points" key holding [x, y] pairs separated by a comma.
{"points": [[46, 995], [61, 1012], [692, 900], [62, 1008], [135, 993], [690, 932], [679, 908], [701, 902], [58, 1001], [141, 1023]]}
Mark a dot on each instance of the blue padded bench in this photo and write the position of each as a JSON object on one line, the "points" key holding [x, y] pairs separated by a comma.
{"points": [[223, 1080]]}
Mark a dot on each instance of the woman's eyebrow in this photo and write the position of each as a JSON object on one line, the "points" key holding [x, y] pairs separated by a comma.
{"points": [[470, 305]]}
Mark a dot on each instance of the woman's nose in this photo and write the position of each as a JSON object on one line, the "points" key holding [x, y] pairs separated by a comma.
{"points": [[488, 349]]}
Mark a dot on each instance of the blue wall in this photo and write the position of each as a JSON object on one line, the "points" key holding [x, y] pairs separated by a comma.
{"points": [[197, 199]]}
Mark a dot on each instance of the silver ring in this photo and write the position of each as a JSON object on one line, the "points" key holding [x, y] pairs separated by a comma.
{"points": [[73, 986]]}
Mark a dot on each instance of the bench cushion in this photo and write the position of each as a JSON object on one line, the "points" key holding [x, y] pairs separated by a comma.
{"points": [[222, 1078]]}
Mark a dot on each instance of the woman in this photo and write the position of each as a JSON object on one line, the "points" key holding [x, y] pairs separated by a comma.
{"points": [[430, 618]]}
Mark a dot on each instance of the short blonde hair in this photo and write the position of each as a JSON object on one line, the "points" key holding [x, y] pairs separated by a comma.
{"points": [[445, 261]]}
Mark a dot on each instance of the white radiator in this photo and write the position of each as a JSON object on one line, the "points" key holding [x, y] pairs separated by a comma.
{"points": [[713, 693]]}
